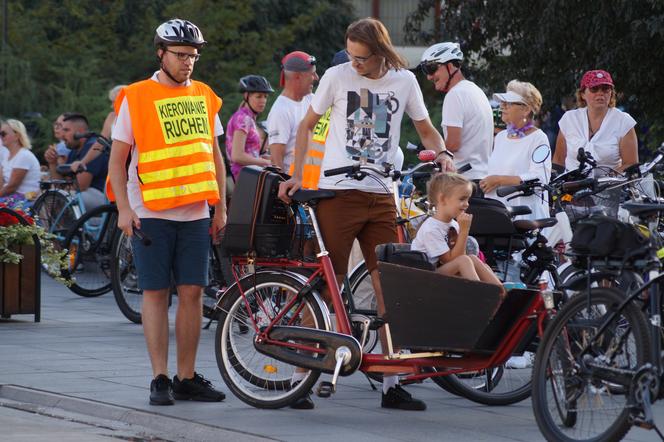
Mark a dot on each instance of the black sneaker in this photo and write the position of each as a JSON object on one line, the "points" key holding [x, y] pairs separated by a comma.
{"points": [[196, 389], [397, 397], [305, 402], [161, 391]]}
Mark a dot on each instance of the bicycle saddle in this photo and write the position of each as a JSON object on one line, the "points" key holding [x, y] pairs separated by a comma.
{"points": [[643, 209], [304, 196], [65, 170], [526, 225], [518, 210]]}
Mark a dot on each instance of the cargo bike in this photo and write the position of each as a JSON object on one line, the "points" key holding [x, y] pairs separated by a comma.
{"points": [[273, 319]]}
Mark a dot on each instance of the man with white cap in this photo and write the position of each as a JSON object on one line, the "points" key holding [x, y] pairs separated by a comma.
{"points": [[467, 116], [298, 75]]}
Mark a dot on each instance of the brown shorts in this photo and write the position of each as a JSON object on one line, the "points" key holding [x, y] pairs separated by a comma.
{"points": [[369, 217]]}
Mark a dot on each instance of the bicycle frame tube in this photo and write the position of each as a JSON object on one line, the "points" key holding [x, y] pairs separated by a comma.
{"points": [[75, 206], [343, 323]]}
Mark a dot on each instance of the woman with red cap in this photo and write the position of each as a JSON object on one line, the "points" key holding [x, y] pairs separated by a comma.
{"points": [[596, 126]]}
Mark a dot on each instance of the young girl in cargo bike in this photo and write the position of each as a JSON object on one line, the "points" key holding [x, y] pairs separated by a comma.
{"points": [[443, 236]]}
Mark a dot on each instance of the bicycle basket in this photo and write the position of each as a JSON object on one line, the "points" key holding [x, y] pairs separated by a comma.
{"points": [[258, 221]]}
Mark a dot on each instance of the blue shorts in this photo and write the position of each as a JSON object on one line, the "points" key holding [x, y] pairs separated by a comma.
{"points": [[179, 248]]}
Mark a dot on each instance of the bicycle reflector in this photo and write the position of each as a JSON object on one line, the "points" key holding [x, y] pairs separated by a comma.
{"points": [[268, 368]]}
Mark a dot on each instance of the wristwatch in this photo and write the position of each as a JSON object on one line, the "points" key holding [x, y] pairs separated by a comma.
{"points": [[446, 152]]}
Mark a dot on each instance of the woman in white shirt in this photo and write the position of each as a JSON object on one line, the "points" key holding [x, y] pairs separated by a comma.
{"points": [[20, 168], [596, 126], [521, 152]]}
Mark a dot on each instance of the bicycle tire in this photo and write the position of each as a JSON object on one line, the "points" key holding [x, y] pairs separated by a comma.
{"points": [[257, 379], [88, 244], [625, 344], [124, 279], [48, 206]]}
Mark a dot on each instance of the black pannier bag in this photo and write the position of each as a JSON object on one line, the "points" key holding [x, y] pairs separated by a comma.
{"points": [[258, 221], [601, 236]]}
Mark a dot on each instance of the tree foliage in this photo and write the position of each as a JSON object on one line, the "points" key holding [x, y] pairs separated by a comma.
{"points": [[64, 55], [552, 42]]}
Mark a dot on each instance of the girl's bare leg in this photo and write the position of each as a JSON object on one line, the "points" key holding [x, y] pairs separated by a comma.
{"points": [[460, 266], [484, 271]]}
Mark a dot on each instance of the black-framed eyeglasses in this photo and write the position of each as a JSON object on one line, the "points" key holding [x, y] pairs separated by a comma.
{"points": [[3, 133], [429, 67], [183, 56], [601, 87], [360, 60]]}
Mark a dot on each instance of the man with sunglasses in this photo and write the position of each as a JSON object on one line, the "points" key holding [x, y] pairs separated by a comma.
{"points": [[298, 75], [467, 116], [170, 124], [368, 97]]}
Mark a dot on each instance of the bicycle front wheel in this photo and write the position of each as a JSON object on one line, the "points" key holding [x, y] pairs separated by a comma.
{"points": [[124, 279], [257, 379], [574, 404], [88, 245]]}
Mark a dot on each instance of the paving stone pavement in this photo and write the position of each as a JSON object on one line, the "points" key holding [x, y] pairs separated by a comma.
{"points": [[85, 358]]}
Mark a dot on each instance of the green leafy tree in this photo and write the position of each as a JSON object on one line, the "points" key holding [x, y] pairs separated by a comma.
{"points": [[552, 42], [64, 55]]}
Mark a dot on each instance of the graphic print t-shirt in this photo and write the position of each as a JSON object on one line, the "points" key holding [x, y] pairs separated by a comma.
{"points": [[365, 121]]}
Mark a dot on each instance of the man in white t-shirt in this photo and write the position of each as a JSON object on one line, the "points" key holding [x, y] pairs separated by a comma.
{"points": [[169, 124], [298, 76], [467, 116], [368, 98]]}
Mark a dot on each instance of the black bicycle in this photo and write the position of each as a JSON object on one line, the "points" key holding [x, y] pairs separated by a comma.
{"points": [[598, 369]]}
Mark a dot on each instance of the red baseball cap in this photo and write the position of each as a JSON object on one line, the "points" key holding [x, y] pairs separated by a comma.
{"points": [[596, 78], [296, 61]]}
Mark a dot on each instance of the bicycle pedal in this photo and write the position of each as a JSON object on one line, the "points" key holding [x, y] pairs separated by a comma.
{"points": [[325, 389]]}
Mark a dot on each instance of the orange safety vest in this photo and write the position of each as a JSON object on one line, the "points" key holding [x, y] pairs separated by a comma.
{"points": [[174, 142], [314, 159]]}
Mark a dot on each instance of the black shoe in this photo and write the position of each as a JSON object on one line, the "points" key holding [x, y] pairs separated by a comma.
{"points": [[305, 402], [196, 389], [161, 391], [397, 397]]}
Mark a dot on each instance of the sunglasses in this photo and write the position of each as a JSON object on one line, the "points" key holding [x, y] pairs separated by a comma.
{"points": [[429, 67], [601, 87]]}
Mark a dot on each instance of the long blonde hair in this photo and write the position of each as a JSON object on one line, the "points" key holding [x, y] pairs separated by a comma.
{"points": [[373, 34], [443, 183], [20, 130]]}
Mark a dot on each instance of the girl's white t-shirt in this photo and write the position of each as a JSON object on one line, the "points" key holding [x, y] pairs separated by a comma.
{"points": [[514, 157], [604, 145], [433, 238]]}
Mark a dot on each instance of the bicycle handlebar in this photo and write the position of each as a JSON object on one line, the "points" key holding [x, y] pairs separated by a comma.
{"points": [[342, 170], [573, 186]]}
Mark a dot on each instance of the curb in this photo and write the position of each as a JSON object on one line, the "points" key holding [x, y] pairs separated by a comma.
{"points": [[173, 428]]}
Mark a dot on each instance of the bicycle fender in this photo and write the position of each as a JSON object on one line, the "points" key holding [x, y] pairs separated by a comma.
{"points": [[580, 282], [327, 340]]}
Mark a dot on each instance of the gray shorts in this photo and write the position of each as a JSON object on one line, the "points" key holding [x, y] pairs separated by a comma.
{"points": [[179, 248]]}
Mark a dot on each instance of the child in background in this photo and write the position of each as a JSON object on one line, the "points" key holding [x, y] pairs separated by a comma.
{"points": [[443, 236]]}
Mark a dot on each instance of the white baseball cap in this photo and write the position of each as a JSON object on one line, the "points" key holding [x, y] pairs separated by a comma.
{"points": [[509, 97]]}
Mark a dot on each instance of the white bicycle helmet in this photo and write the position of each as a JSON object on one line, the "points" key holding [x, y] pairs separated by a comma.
{"points": [[442, 53], [178, 32]]}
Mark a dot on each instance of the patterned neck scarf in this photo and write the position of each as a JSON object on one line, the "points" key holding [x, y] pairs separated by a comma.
{"points": [[519, 132]]}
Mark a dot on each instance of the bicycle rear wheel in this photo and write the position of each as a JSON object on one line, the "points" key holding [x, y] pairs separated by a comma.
{"points": [[257, 379], [572, 403], [124, 279], [53, 212], [88, 245]]}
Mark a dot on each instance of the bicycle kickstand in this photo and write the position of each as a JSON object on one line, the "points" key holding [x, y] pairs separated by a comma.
{"points": [[342, 356]]}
